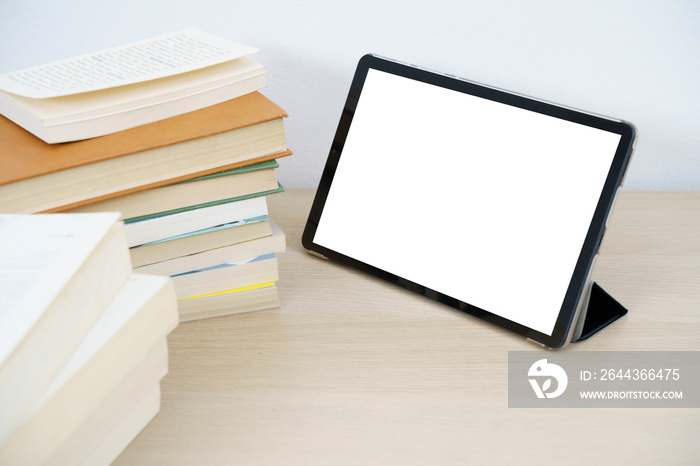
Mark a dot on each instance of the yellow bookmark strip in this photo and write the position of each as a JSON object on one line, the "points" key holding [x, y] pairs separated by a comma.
{"points": [[245, 288]]}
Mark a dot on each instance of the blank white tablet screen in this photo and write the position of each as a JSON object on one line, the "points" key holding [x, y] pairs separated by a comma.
{"points": [[478, 200]]}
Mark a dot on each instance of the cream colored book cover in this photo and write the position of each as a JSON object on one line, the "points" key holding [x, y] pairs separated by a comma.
{"points": [[57, 275]]}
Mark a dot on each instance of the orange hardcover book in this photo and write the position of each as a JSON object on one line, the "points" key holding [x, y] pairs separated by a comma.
{"points": [[41, 177]]}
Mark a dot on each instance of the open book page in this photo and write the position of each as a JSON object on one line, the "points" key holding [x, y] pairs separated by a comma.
{"points": [[39, 254], [154, 58], [67, 109]]}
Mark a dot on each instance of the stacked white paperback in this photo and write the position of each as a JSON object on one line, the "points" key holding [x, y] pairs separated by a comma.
{"points": [[82, 340], [187, 153]]}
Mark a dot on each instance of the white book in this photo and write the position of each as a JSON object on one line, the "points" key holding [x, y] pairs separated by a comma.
{"points": [[58, 272], [252, 298], [217, 187], [131, 423], [167, 226], [140, 316], [181, 246], [120, 417], [128, 86], [248, 272], [274, 243]]}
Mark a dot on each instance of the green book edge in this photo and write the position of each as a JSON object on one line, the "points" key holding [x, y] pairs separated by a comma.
{"points": [[279, 189], [236, 171]]}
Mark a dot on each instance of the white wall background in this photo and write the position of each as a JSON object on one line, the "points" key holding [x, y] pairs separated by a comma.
{"points": [[637, 60]]}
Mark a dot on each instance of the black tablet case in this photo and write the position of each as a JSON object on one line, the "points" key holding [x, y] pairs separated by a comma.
{"points": [[602, 311]]}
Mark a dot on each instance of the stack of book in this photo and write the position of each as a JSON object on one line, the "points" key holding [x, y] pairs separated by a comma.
{"points": [[83, 339], [187, 154]]}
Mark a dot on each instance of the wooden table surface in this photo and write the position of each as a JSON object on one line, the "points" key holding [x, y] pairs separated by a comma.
{"points": [[352, 370]]}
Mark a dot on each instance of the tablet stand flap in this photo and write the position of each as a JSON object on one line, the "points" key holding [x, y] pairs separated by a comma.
{"points": [[602, 311]]}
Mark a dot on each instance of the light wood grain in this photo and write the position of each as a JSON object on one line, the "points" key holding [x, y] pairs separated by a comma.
{"points": [[352, 370]]}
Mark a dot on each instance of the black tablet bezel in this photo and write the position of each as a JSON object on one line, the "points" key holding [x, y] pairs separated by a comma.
{"points": [[578, 284]]}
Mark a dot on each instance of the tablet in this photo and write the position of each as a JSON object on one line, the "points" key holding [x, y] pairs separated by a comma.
{"points": [[489, 201]]}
